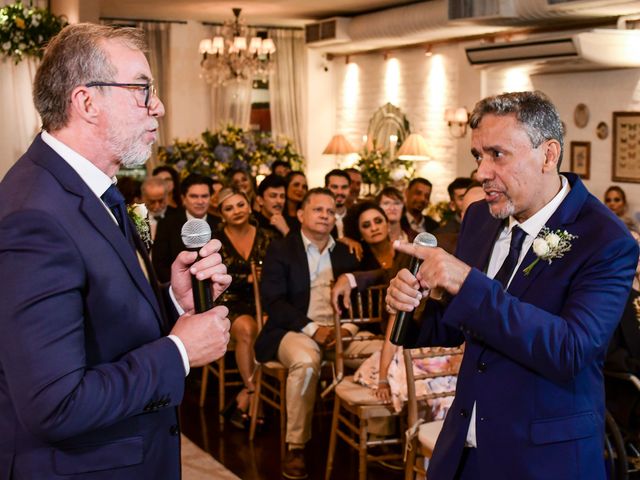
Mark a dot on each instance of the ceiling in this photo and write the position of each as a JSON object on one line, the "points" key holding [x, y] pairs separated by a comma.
{"points": [[255, 12]]}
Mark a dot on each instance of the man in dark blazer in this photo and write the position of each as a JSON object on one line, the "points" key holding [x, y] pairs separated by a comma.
{"points": [[196, 192], [296, 284], [535, 307], [91, 367]]}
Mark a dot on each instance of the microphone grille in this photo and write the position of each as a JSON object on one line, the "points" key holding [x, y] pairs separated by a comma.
{"points": [[195, 233], [425, 239]]}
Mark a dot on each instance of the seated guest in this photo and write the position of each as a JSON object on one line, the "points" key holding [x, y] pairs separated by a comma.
{"points": [[296, 286], [417, 197], [474, 194], [616, 200], [271, 199], [354, 187], [456, 190], [281, 168], [368, 224], [296, 189], [338, 181], [155, 196], [391, 201], [196, 192], [172, 179], [245, 183], [216, 186], [242, 243]]}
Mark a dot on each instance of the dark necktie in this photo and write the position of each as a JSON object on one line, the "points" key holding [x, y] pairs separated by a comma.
{"points": [[506, 270], [115, 201]]}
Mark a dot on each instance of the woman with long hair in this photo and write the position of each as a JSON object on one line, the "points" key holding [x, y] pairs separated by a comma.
{"points": [[616, 200], [296, 188], [391, 201], [242, 243]]}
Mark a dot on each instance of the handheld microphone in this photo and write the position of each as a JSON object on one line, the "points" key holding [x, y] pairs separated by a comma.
{"points": [[195, 235], [400, 325]]}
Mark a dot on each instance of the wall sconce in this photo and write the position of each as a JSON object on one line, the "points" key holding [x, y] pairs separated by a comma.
{"points": [[414, 148], [340, 147], [457, 119]]}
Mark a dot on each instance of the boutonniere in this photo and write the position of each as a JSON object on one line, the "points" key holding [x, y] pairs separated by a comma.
{"points": [[549, 246], [140, 216]]}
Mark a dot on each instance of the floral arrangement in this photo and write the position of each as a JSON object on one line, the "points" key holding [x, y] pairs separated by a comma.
{"points": [[140, 216], [24, 30], [378, 170], [550, 245], [231, 148], [441, 212]]}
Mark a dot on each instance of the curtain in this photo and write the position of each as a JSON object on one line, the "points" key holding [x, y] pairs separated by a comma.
{"points": [[158, 38], [19, 120], [286, 86]]}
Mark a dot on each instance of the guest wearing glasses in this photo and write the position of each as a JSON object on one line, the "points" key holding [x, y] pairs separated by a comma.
{"points": [[172, 179], [93, 350], [391, 201]]}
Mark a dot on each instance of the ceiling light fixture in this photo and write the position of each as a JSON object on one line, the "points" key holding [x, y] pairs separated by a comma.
{"points": [[233, 55]]}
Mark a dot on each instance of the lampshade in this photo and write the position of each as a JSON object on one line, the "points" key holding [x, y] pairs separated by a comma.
{"points": [[338, 146], [414, 148]]}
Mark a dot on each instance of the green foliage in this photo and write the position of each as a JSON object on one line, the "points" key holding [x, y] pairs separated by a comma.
{"points": [[378, 171], [25, 30]]}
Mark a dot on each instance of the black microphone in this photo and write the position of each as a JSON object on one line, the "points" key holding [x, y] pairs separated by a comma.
{"points": [[399, 330], [195, 235]]}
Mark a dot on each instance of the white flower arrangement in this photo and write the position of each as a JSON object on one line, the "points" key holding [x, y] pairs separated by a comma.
{"points": [[549, 246], [140, 216]]}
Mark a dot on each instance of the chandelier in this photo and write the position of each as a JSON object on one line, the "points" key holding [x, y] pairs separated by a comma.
{"points": [[233, 55]]}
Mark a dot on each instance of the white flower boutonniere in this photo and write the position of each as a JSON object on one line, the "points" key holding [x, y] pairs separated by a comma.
{"points": [[140, 216], [550, 245]]}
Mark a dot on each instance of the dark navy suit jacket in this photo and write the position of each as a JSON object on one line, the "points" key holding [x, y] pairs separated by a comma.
{"points": [[534, 354], [88, 381], [286, 286]]}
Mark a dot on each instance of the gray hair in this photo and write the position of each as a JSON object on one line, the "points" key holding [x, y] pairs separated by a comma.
{"points": [[75, 57], [154, 181], [533, 110]]}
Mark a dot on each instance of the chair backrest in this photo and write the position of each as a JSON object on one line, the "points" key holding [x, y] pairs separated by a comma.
{"points": [[368, 316], [433, 363], [256, 274]]}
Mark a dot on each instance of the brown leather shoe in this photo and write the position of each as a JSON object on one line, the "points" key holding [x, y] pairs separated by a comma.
{"points": [[293, 466]]}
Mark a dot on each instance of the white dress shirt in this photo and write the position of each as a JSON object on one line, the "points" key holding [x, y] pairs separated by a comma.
{"points": [[98, 182], [531, 227]]}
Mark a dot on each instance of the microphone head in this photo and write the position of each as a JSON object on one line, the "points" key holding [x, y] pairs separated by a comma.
{"points": [[195, 233], [425, 239]]}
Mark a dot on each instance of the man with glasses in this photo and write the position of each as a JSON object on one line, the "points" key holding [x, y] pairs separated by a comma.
{"points": [[93, 352]]}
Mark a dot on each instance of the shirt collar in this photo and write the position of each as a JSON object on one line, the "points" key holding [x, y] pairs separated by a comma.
{"points": [[307, 243], [97, 181], [534, 224]]}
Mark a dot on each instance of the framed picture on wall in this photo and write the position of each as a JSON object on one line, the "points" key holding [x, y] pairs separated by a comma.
{"points": [[626, 147], [581, 159]]}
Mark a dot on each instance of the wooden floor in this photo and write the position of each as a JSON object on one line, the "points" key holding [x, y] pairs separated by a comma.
{"points": [[261, 460]]}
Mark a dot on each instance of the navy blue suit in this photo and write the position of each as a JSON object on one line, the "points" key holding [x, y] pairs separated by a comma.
{"points": [[88, 381], [534, 354]]}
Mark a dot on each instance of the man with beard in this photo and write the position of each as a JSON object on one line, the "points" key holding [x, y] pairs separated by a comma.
{"points": [[536, 288], [271, 199], [417, 196], [338, 181], [93, 352], [155, 196]]}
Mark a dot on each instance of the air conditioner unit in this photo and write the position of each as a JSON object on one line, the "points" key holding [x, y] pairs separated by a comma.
{"points": [[327, 32], [598, 49], [479, 10]]}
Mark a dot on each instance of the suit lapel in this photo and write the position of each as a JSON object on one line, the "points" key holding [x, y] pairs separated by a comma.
{"points": [[561, 219], [95, 212], [478, 255]]}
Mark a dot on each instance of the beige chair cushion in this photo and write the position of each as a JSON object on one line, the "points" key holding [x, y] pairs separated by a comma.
{"points": [[428, 434], [355, 394]]}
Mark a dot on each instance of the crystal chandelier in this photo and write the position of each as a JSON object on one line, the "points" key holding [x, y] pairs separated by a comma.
{"points": [[234, 55]]}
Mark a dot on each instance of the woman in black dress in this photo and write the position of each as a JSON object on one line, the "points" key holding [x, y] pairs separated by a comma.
{"points": [[242, 243], [295, 191]]}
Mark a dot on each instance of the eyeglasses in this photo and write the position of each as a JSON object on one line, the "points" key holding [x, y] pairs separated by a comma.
{"points": [[149, 89]]}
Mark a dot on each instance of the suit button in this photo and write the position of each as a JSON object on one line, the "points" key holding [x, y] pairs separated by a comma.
{"points": [[464, 413], [482, 367], [174, 430]]}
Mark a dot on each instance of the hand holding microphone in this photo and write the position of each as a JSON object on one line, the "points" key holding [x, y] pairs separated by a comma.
{"points": [[196, 234], [403, 318], [439, 272]]}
